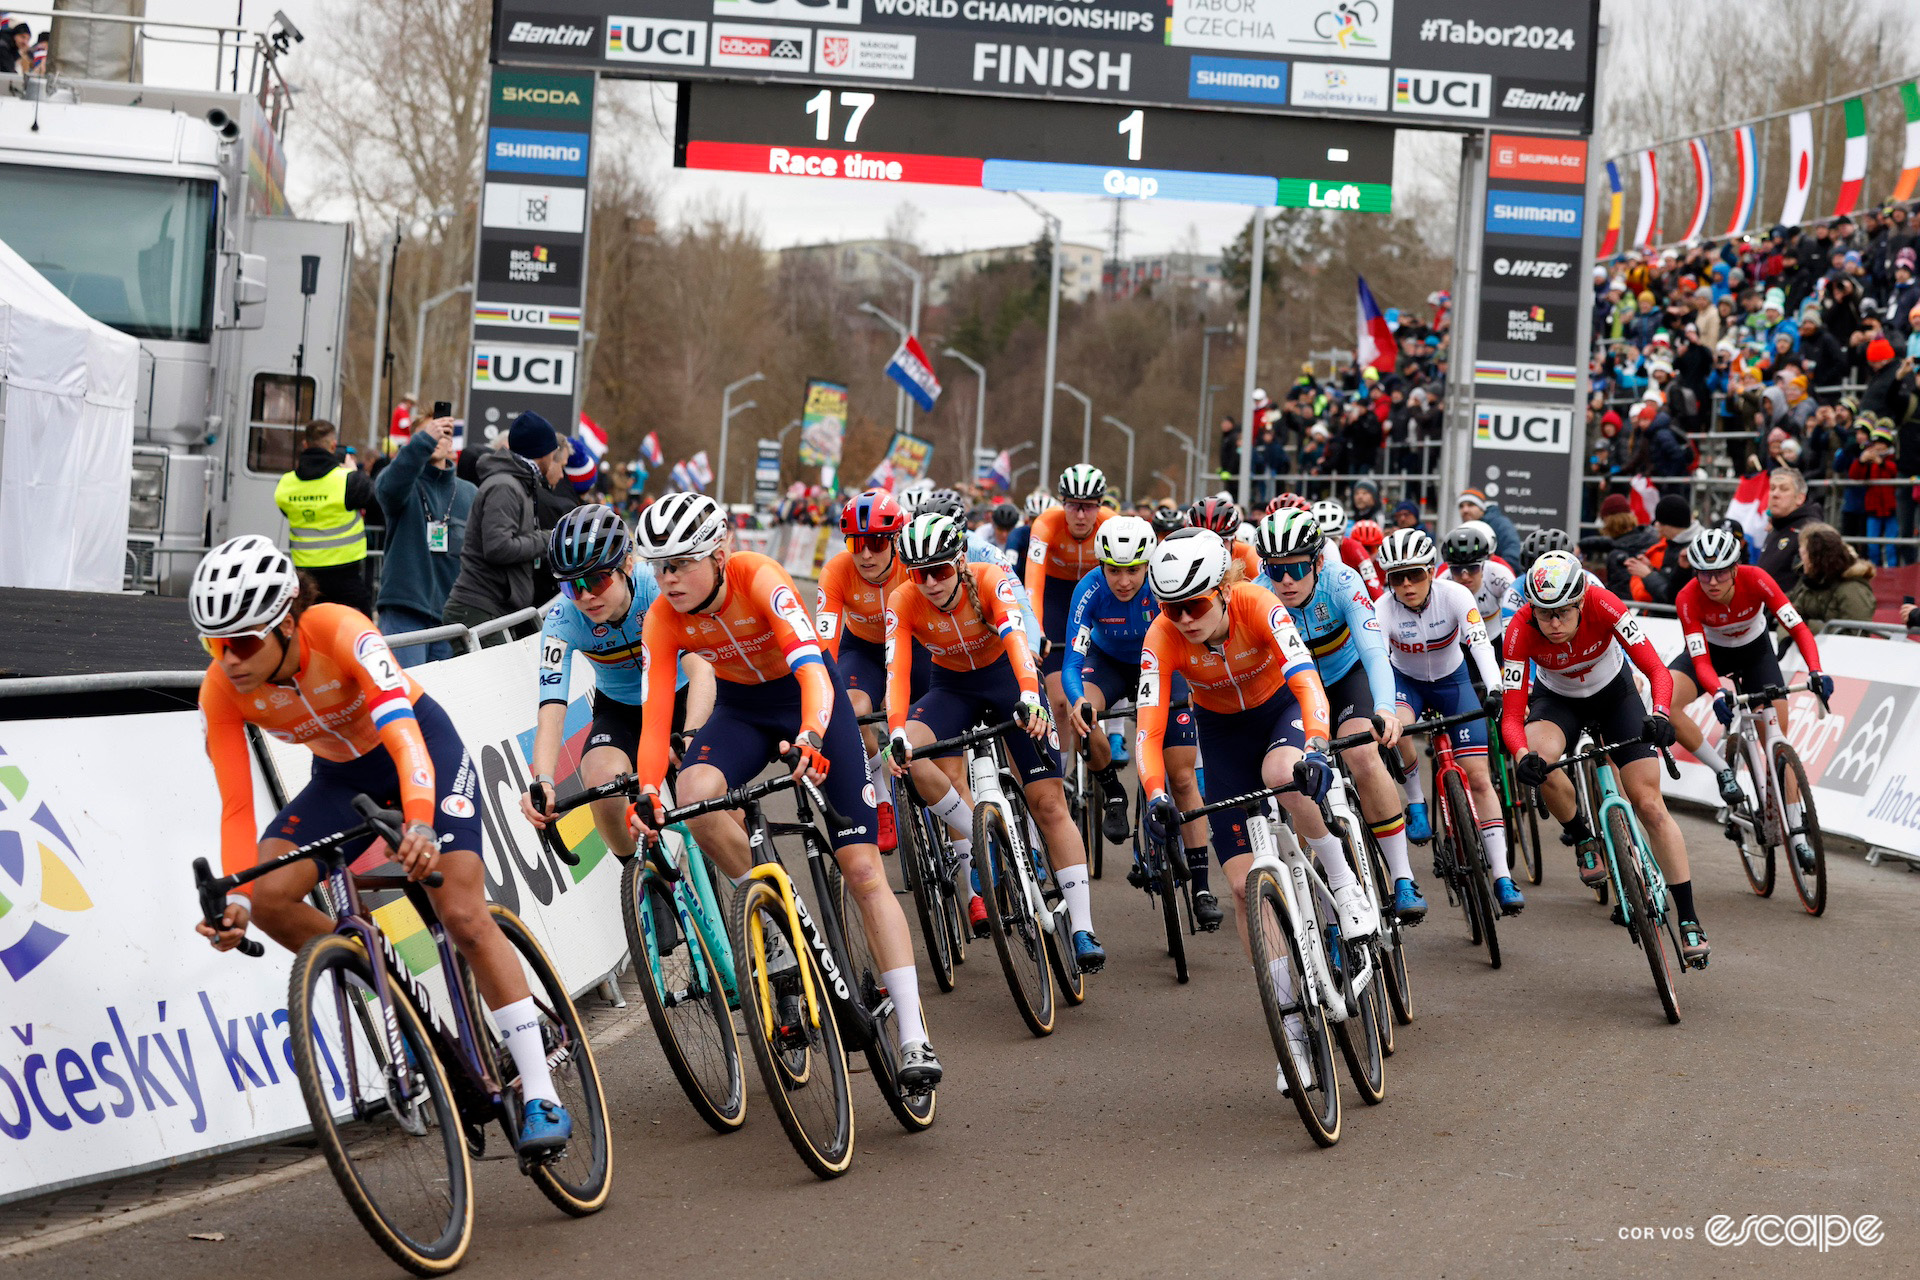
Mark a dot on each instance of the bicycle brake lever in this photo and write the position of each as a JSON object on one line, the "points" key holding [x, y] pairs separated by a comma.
{"points": [[213, 907], [1673, 770]]}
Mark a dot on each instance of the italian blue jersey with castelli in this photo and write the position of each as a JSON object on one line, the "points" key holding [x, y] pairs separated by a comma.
{"points": [[1098, 619], [613, 647]]}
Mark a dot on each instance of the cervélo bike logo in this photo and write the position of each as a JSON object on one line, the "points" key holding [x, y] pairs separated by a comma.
{"points": [[40, 888]]}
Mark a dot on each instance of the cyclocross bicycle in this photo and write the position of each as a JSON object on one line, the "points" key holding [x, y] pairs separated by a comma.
{"points": [[1343, 802], [1458, 847], [1519, 806], [931, 870], [1763, 760], [399, 1095], [1087, 797], [1639, 889]]}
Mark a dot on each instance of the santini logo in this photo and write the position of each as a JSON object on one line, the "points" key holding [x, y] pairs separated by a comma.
{"points": [[1537, 213], [1532, 268], [1532, 100], [565, 35]]}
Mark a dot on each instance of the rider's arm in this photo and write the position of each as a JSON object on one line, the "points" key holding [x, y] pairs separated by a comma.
{"points": [[1633, 638], [1513, 704], [1079, 635], [830, 616], [556, 657], [778, 602], [1296, 664], [1788, 617], [1044, 525], [1687, 606], [1364, 627], [1001, 603], [1480, 647], [700, 689], [659, 647], [372, 666], [1158, 665], [233, 773], [900, 607]]}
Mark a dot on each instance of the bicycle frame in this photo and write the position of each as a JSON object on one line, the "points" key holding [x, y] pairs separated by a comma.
{"points": [[1611, 799], [1751, 726], [696, 906]]}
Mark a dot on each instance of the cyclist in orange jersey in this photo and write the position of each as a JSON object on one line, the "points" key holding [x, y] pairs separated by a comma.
{"points": [[1060, 552], [320, 675], [775, 691], [967, 616]]}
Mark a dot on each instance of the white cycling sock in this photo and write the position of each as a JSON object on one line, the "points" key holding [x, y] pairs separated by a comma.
{"points": [[1333, 861], [957, 814], [1079, 895], [1494, 836], [877, 774], [519, 1022], [1416, 789], [963, 851], [1393, 847], [903, 984], [1282, 979], [1794, 811], [1709, 757]]}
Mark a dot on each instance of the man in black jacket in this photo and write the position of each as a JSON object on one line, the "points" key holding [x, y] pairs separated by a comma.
{"points": [[1822, 355], [1788, 512], [504, 540]]}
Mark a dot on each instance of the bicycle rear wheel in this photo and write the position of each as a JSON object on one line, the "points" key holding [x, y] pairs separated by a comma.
{"points": [[579, 1178], [1017, 934], [913, 1111], [1639, 906], [1473, 853], [685, 998], [920, 865], [1068, 979], [1270, 936], [801, 1059], [1755, 838], [1523, 829], [1809, 882], [403, 1168]]}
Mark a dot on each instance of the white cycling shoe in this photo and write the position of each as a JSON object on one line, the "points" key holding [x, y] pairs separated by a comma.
{"points": [[1359, 918]]}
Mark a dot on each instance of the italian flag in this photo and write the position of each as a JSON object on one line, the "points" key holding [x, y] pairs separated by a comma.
{"points": [[1910, 166], [1853, 168]]}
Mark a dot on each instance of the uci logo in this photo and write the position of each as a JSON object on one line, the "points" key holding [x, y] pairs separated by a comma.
{"points": [[1528, 428]]}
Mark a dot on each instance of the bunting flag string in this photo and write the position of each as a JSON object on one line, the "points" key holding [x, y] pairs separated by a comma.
{"points": [[1702, 188]]}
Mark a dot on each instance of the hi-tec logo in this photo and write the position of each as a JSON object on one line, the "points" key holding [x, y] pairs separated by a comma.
{"points": [[563, 35], [1052, 66], [1518, 99], [1524, 428], [1442, 93], [1530, 268]]}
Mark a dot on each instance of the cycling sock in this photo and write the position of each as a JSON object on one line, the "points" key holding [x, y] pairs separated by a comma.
{"points": [[1683, 900], [1577, 830], [903, 984], [1392, 835], [1109, 779], [1079, 895], [519, 1022], [963, 851], [1794, 811], [1282, 979], [1415, 789], [1333, 860], [877, 773], [1494, 836], [956, 813], [1197, 868], [1709, 757]]}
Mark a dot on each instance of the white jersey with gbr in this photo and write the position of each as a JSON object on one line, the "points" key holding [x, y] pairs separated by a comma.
{"points": [[1495, 581], [1425, 645]]}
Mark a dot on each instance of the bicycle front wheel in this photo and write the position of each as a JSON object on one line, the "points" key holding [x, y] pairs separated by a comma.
{"points": [[914, 1111], [1524, 828], [1169, 891], [685, 999], [1754, 837], [1017, 933], [920, 863], [402, 1164], [1068, 980], [1639, 907], [1393, 955], [1276, 963], [1809, 881], [579, 1178], [800, 1056], [1472, 852]]}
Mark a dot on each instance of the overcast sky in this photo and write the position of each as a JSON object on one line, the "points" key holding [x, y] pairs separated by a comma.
{"points": [[790, 210]]}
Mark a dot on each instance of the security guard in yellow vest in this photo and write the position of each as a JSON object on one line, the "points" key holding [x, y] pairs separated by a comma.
{"points": [[322, 500]]}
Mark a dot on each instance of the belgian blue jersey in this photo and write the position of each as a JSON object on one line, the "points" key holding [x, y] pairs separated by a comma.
{"points": [[612, 647], [1101, 620], [1339, 627]]}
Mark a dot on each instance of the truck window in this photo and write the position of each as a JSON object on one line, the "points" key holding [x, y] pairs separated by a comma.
{"points": [[134, 251], [282, 405]]}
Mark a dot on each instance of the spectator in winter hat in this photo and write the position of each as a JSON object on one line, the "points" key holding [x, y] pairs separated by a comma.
{"points": [[1473, 505]]}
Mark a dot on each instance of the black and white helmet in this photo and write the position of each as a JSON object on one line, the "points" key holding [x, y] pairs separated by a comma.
{"points": [[681, 526], [1187, 563], [1405, 549], [1555, 581], [1714, 549], [1541, 541], [1123, 542], [1288, 532], [930, 539], [1331, 516], [1467, 547], [943, 502], [1040, 500], [1082, 482], [242, 587]]}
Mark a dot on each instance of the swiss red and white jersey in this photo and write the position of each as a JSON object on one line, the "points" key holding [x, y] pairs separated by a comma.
{"points": [[1606, 636], [1744, 615]]}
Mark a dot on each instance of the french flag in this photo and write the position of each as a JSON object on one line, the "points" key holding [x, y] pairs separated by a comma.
{"points": [[1375, 339], [912, 370]]}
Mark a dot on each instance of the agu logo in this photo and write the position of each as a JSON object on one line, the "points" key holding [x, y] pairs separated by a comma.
{"points": [[40, 889]]}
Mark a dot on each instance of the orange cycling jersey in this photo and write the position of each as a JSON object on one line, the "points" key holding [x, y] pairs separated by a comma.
{"points": [[956, 639], [347, 698], [850, 605], [1259, 653], [1249, 558], [1052, 552], [757, 633]]}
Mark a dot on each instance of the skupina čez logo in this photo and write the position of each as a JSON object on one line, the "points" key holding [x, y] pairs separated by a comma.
{"points": [[41, 893]]}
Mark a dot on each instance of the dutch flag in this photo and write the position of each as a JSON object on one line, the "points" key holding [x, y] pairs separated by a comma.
{"points": [[912, 370]]}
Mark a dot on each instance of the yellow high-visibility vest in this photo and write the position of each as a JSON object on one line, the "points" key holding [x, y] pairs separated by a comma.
{"points": [[321, 529]]}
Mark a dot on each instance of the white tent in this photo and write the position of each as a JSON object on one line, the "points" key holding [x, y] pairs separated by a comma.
{"points": [[67, 390]]}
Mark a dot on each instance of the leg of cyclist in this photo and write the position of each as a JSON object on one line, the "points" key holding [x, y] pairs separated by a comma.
{"points": [[1640, 779], [1493, 827], [279, 903], [1034, 761], [1356, 912], [1380, 809], [1685, 691], [1548, 739], [1114, 821], [1184, 785], [942, 783], [1419, 825], [599, 765]]}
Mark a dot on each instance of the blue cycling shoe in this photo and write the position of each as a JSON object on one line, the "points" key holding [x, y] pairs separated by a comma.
{"points": [[1508, 896], [1408, 905], [1118, 743], [1087, 952], [545, 1127], [1419, 830]]}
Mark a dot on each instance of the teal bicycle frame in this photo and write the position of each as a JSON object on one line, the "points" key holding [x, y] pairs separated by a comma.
{"points": [[1611, 800], [698, 908]]}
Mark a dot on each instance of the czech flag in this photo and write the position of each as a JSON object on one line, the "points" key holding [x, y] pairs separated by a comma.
{"points": [[1374, 341], [912, 370]]}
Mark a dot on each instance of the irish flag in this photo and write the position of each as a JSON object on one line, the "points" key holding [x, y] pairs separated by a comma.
{"points": [[1799, 167], [1853, 168], [1910, 166]]}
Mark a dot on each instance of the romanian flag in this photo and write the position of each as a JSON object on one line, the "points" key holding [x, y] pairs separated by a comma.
{"points": [[1610, 243]]}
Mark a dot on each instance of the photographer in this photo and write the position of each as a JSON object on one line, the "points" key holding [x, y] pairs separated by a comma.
{"points": [[426, 506]]}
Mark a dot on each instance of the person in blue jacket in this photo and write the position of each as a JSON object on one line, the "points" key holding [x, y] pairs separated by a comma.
{"points": [[1106, 628], [426, 505]]}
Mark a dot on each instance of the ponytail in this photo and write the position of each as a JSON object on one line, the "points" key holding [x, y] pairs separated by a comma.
{"points": [[973, 595]]}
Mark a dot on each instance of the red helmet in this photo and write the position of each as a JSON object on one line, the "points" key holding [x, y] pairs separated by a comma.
{"points": [[872, 512], [1368, 534], [1289, 502], [1217, 514]]}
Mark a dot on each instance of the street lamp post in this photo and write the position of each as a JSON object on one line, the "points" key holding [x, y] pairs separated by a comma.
{"points": [[980, 403], [1053, 331], [1118, 425], [1086, 428], [1018, 472], [727, 411], [420, 330], [1207, 335], [1192, 456]]}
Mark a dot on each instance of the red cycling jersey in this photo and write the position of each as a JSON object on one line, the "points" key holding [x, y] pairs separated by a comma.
{"points": [[1356, 558], [1741, 620], [1581, 667], [850, 605]]}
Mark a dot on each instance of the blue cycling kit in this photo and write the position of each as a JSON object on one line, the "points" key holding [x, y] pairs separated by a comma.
{"points": [[1098, 619], [981, 550], [1016, 548], [613, 648], [1341, 632]]}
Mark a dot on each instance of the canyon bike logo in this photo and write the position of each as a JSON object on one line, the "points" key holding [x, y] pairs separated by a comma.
{"points": [[1821, 1231]]}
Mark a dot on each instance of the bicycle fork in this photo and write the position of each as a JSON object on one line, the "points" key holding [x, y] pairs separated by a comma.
{"points": [[799, 925], [983, 776], [1287, 863]]}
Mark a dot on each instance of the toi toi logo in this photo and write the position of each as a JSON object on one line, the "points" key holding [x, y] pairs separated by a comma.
{"points": [[1821, 1231]]}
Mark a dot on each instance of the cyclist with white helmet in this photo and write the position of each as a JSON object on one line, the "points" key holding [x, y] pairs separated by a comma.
{"points": [[607, 592], [1565, 671], [1724, 610], [1532, 547], [1339, 548], [1058, 556], [776, 692], [1112, 609], [1426, 620], [1335, 617], [321, 676], [1468, 552], [982, 670], [1019, 540], [1260, 714]]}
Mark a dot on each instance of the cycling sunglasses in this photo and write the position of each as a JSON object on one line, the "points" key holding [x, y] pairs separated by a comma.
{"points": [[934, 572], [871, 543], [1297, 570], [677, 565], [1401, 577], [1188, 610], [1715, 576], [243, 647], [591, 584], [1081, 508]]}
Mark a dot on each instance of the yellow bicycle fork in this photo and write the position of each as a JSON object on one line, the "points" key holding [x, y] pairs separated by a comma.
{"points": [[776, 875]]}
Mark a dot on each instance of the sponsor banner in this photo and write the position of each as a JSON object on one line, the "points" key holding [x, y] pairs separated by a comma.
{"points": [[1097, 19], [1500, 373], [563, 155], [544, 97], [513, 315], [1339, 85], [1442, 93], [1530, 324], [863, 53], [1237, 80], [1543, 100], [761, 48], [519, 206], [1510, 155], [656, 40], [1504, 265], [529, 262], [1523, 428], [1285, 26], [549, 34], [837, 11], [823, 423], [500, 367], [766, 472], [1527, 213], [491, 412]]}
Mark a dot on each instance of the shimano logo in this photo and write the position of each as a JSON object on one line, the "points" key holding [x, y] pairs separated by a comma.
{"points": [[564, 34], [1533, 100], [1537, 213], [1530, 268]]}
